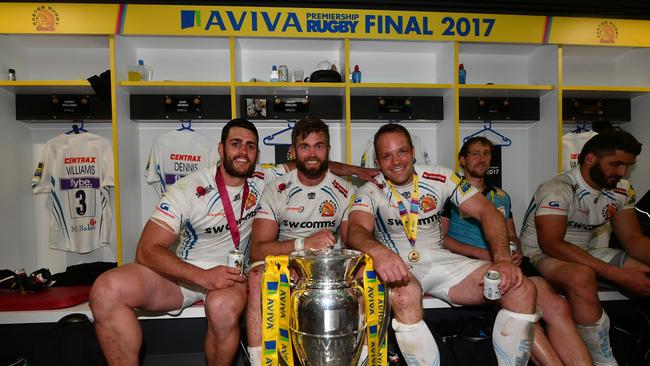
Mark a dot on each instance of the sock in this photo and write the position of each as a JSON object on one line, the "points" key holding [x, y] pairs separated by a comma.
{"points": [[364, 355], [513, 336], [417, 344], [255, 354], [596, 337]]}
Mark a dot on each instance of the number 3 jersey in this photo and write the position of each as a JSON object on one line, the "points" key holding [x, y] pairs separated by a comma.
{"points": [[176, 154], [77, 170]]}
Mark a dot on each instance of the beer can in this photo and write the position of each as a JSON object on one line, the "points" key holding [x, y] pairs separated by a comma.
{"points": [[491, 282], [236, 259], [283, 73], [513, 248]]}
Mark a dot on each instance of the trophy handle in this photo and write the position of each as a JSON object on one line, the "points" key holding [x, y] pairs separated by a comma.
{"points": [[383, 327]]}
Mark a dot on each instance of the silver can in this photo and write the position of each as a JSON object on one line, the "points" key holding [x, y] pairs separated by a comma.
{"points": [[283, 73], [491, 282], [513, 248], [236, 259]]}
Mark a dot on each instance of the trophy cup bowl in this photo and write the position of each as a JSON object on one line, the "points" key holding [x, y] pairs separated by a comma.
{"points": [[327, 321]]}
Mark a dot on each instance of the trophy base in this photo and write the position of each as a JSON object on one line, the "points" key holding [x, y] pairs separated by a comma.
{"points": [[330, 350]]}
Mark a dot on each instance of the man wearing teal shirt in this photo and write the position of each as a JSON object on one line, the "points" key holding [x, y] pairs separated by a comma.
{"points": [[561, 344]]}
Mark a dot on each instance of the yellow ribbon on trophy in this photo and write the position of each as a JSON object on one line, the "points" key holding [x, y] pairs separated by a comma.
{"points": [[275, 311], [284, 301], [374, 301]]}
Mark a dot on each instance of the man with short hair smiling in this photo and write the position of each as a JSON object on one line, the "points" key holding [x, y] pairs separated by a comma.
{"points": [[559, 225], [305, 209], [406, 248]]}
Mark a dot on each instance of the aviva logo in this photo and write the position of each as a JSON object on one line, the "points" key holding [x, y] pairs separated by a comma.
{"points": [[190, 18], [271, 288], [284, 334], [269, 347], [372, 276]]}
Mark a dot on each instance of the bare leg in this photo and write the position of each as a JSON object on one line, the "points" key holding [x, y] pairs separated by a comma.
{"points": [[513, 333], [223, 309], [112, 299], [543, 353], [254, 307], [578, 282], [561, 330]]}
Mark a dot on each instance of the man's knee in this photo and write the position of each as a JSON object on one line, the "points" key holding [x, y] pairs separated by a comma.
{"points": [[106, 292], [522, 299], [407, 298], [582, 283], [223, 310]]}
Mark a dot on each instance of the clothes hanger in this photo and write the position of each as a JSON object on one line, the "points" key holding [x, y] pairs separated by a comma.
{"points": [[268, 140], [76, 129], [581, 127], [487, 127], [184, 127]]}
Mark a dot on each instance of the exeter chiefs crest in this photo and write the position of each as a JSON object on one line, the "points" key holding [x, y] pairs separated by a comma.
{"points": [[251, 201], [327, 208], [428, 203]]}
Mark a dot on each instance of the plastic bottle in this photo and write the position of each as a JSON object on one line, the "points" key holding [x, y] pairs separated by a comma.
{"points": [[462, 74], [11, 76], [145, 70], [356, 74], [274, 74]]}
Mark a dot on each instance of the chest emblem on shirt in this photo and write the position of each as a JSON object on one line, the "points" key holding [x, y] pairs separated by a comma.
{"points": [[251, 201], [609, 211], [327, 208], [428, 203], [311, 195]]}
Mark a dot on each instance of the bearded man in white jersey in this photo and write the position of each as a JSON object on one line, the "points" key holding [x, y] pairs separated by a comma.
{"points": [[197, 210], [304, 209], [407, 252], [559, 225]]}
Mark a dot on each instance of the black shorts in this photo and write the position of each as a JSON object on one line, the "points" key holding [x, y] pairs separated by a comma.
{"points": [[528, 269]]}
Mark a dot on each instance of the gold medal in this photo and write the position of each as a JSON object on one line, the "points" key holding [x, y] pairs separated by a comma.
{"points": [[414, 256]]}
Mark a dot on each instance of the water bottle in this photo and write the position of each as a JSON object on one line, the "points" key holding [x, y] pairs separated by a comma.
{"points": [[356, 74], [462, 74], [274, 74], [146, 71]]}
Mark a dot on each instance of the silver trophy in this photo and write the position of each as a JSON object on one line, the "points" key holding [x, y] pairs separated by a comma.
{"points": [[327, 320]]}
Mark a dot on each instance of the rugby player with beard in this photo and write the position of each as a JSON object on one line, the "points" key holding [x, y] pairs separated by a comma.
{"points": [[193, 213], [464, 235], [560, 222], [304, 209]]}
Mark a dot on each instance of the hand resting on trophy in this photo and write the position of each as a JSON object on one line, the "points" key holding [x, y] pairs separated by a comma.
{"points": [[321, 240]]}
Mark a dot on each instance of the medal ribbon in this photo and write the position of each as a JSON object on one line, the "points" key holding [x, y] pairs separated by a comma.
{"points": [[374, 303], [270, 309], [409, 219], [227, 206]]}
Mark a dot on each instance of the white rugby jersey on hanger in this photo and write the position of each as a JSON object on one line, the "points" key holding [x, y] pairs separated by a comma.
{"points": [[77, 169]]}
